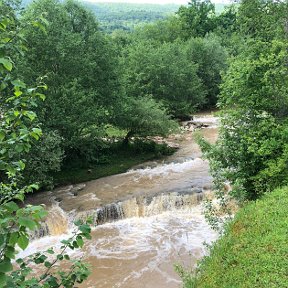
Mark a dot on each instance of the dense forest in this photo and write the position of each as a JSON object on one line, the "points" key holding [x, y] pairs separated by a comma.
{"points": [[73, 96], [128, 16]]}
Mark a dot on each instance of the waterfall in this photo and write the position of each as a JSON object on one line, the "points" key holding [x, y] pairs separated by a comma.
{"points": [[59, 222], [56, 223]]}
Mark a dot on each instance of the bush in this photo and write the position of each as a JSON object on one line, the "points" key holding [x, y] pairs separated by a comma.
{"points": [[44, 158]]}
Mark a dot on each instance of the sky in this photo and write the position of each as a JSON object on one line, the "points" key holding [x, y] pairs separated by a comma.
{"points": [[180, 2]]}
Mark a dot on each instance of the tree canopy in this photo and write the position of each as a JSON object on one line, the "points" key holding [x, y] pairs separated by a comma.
{"points": [[18, 129]]}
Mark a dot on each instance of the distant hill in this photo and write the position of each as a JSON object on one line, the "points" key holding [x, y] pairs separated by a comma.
{"points": [[126, 16]]}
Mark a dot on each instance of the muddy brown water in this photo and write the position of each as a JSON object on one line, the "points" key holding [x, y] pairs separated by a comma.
{"points": [[151, 218]]}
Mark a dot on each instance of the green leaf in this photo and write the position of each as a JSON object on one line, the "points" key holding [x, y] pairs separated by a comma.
{"points": [[3, 279], [6, 40], [5, 265], [78, 222], [65, 242], [50, 251], [23, 242], [52, 282], [18, 83], [75, 244], [37, 130], [18, 93], [88, 236], [34, 186], [36, 133], [42, 213], [85, 228], [21, 164], [31, 115], [42, 96], [19, 261], [19, 197], [10, 252], [80, 241], [19, 148], [16, 113], [3, 85], [2, 135], [13, 238], [6, 63], [40, 259], [47, 264], [11, 206], [27, 222]]}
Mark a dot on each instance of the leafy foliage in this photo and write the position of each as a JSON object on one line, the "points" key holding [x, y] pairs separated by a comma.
{"points": [[167, 30], [86, 83], [262, 19], [197, 19], [164, 72], [210, 58], [251, 151], [143, 116], [17, 129], [250, 156], [80, 67], [43, 159]]}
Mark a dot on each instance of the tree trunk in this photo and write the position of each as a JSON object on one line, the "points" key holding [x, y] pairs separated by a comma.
{"points": [[127, 137]]}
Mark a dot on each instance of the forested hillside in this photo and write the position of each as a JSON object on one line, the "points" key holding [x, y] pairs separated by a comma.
{"points": [[74, 98], [128, 16]]}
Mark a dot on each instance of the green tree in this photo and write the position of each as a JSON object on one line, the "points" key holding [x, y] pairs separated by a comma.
{"points": [[80, 67], [263, 19], [197, 19], [142, 117], [43, 159], [164, 72], [166, 30], [211, 59], [251, 152], [17, 129]]}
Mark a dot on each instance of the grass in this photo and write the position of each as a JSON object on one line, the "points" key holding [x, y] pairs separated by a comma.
{"points": [[253, 251], [117, 162], [112, 131]]}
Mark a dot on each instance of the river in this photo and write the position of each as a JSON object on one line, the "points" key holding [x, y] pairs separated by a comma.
{"points": [[146, 220]]}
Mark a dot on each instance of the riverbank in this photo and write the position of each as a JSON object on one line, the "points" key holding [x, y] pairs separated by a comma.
{"points": [[253, 251], [118, 160]]}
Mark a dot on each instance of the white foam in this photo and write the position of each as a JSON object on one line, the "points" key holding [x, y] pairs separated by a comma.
{"points": [[42, 244], [149, 242], [206, 119], [166, 169], [163, 232]]}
